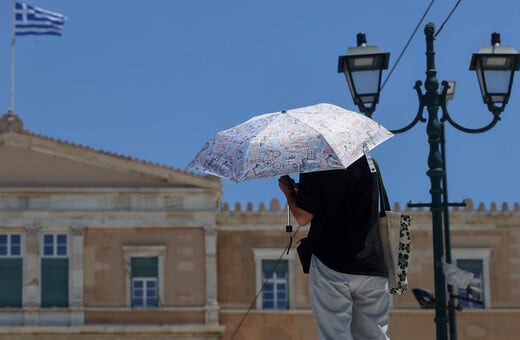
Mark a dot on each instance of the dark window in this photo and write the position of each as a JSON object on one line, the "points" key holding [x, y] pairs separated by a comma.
{"points": [[55, 245], [144, 277], [55, 282], [10, 282], [10, 245], [55, 271], [474, 266]]}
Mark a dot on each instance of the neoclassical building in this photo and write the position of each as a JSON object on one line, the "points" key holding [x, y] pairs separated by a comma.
{"points": [[95, 245]]}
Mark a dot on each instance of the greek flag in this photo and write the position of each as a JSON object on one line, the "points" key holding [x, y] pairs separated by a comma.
{"points": [[34, 20]]}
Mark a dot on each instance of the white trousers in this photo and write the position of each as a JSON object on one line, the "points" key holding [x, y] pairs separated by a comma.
{"points": [[348, 307]]}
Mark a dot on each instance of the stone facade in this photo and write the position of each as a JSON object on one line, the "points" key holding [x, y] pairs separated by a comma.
{"points": [[480, 232], [109, 209], [112, 209]]}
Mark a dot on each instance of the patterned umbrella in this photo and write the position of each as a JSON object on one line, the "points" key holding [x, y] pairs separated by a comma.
{"points": [[313, 138]]}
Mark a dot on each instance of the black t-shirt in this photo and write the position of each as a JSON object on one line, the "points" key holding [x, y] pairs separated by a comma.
{"points": [[344, 232]]}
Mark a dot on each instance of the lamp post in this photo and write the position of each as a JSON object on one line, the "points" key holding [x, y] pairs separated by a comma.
{"points": [[495, 66]]}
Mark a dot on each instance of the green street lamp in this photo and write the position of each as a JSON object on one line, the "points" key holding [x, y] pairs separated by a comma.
{"points": [[363, 66], [495, 66]]}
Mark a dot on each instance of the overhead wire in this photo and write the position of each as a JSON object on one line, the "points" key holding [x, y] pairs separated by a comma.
{"points": [[448, 17], [407, 43], [415, 31]]}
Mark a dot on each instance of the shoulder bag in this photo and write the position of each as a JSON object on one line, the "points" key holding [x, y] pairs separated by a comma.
{"points": [[394, 229]]}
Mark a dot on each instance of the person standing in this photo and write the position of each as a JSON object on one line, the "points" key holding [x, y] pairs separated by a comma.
{"points": [[348, 279]]}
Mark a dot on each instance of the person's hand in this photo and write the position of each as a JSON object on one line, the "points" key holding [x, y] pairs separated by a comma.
{"points": [[287, 185], [290, 189]]}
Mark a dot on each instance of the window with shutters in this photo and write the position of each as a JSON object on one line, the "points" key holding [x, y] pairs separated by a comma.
{"points": [[274, 278], [276, 286], [144, 282], [11, 264], [144, 267], [476, 261], [474, 266], [55, 271]]}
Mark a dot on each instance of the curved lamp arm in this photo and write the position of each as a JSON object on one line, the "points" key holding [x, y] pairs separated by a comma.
{"points": [[419, 116], [495, 110]]}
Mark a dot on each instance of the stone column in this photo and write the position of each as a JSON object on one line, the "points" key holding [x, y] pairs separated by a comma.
{"points": [[212, 307], [31, 290], [76, 275]]}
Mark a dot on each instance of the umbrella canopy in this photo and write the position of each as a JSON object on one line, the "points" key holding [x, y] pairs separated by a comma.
{"points": [[312, 138]]}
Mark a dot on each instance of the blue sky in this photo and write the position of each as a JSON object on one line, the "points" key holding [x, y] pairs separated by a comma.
{"points": [[155, 79]]}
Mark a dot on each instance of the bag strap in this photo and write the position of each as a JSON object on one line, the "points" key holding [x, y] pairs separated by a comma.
{"points": [[384, 203]]}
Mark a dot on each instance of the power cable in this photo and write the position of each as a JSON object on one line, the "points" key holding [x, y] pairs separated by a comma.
{"points": [[415, 31], [408, 43], [448, 17]]}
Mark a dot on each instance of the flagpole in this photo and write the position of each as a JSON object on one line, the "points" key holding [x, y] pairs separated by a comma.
{"points": [[11, 97]]}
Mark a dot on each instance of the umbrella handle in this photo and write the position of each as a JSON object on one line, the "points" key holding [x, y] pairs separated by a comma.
{"points": [[288, 227]]}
